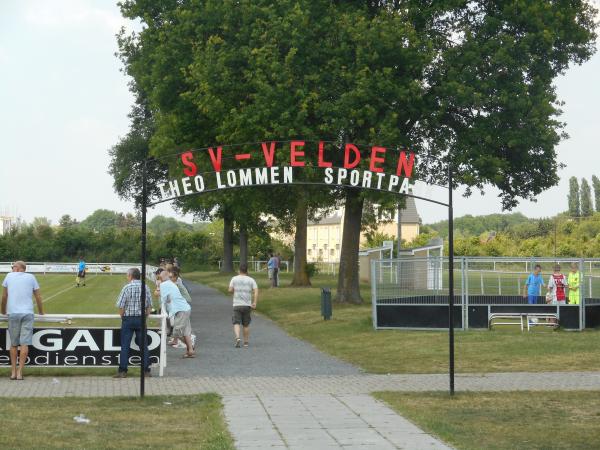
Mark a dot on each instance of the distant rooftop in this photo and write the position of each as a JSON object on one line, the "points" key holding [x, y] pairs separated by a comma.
{"points": [[409, 215]]}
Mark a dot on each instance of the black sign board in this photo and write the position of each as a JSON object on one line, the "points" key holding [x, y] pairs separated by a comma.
{"points": [[90, 347]]}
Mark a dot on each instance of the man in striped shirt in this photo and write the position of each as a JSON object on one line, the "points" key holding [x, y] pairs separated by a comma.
{"points": [[131, 320]]}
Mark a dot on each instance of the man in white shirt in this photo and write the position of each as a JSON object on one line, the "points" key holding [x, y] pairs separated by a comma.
{"points": [[244, 289], [18, 288]]}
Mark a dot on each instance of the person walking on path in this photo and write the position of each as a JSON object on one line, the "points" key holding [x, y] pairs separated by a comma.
{"points": [[245, 297], [574, 281], [174, 276], [179, 311], [533, 285], [81, 272], [131, 320], [18, 288]]}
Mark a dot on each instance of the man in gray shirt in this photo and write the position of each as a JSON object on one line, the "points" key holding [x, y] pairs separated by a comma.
{"points": [[245, 297]]}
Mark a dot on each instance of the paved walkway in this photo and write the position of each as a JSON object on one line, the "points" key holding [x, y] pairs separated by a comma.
{"points": [[272, 352], [318, 422]]}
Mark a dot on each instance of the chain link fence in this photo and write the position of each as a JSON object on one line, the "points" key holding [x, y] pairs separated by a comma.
{"points": [[477, 281]]}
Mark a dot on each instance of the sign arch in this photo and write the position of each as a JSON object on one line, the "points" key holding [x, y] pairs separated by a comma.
{"points": [[332, 164]]}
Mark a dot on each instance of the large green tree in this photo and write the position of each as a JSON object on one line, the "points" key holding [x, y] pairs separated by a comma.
{"points": [[574, 201], [468, 84], [586, 198]]}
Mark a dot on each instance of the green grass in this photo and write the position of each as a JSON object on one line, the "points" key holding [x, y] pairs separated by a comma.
{"points": [[60, 296], [505, 420], [194, 421], [350, 336]]}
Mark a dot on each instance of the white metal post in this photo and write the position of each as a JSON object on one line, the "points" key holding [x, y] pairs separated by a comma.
{"points": [[374, 293]]}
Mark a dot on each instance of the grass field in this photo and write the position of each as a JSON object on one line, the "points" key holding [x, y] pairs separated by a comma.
{"points": [[194, 421], [505, 420], [350, 336], [60, 295]]}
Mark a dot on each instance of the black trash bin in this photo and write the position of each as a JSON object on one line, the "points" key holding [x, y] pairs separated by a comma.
{"points": [[326, 303]]}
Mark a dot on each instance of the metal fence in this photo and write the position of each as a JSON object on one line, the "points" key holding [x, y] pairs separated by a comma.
{"points": [[260, 266], [477, 280]]}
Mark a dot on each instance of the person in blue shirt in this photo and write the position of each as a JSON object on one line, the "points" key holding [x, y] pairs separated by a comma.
{"points": [[81, 272], [533, 285]]}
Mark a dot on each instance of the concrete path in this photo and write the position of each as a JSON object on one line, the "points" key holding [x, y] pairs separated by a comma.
{"points": [[316, 422], [272, 352]]}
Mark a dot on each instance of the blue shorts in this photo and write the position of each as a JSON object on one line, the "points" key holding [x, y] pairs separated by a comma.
{"points": [[20, 329], [532, 299]]}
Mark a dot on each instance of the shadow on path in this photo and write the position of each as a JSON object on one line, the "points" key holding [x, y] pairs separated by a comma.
{"points": [[272, 352]]}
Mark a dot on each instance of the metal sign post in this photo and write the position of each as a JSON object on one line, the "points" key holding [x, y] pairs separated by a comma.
{"points": [[143, 289], [450, 280]]}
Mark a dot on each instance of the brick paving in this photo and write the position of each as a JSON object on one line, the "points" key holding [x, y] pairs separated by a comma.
{"points": [[296, 385]]}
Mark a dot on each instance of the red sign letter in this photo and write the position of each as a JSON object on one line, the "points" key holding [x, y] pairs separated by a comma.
{"points": [[404, 165], [269, 153], [295, 153], [376, 159], [190, 167], [216, 160], [322, 163], [347, 163]]}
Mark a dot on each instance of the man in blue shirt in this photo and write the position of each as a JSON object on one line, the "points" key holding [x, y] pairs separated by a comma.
{"points": [[533, 285], [81, 271]]}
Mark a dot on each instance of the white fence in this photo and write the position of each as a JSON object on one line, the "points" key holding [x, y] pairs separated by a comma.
{"points": [[72, 268], [260, 266]]}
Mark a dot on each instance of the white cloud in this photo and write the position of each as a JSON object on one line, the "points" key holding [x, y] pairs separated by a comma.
{"points": [[72, 13]]}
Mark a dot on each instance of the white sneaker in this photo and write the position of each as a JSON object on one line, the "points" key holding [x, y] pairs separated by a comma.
{"points": [[193, 340], [181, 345]]}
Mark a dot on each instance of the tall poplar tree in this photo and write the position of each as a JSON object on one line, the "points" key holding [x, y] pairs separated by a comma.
{"points": [[585, 197], [596, 186], [574, 201]]}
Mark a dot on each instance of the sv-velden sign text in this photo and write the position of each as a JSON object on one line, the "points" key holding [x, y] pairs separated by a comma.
{"points": [[352, 165], [79, 347]]}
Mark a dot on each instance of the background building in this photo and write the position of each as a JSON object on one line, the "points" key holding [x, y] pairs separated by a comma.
{"points": [[324, 240]]}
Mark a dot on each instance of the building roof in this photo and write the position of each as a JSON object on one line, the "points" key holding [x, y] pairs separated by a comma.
{"points": [[409, 215], [330, 220]]}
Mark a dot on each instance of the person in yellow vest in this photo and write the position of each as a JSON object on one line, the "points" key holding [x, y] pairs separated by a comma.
{"points": [[574, 283]]}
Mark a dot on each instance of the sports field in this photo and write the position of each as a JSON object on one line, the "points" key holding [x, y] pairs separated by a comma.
{"points": [[61, 296]]}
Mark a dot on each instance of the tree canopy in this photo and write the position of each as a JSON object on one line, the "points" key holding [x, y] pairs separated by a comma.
{"points": [[468, 84]]}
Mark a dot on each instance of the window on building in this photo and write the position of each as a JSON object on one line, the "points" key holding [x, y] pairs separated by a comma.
{"points": [[320, 252], [325, 246], [337, 246], [309, 252], [332, 252]]}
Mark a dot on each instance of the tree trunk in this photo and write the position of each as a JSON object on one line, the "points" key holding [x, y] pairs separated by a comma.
{"points": [[348, 289], [227, 265], [243, 244], [300, 275]]}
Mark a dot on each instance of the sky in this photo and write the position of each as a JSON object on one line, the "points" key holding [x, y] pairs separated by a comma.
{"points": [[64, 102]]}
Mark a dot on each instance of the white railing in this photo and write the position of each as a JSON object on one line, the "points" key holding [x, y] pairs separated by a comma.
{"points": [[259, 266], [68, 318], [72, 268]]}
